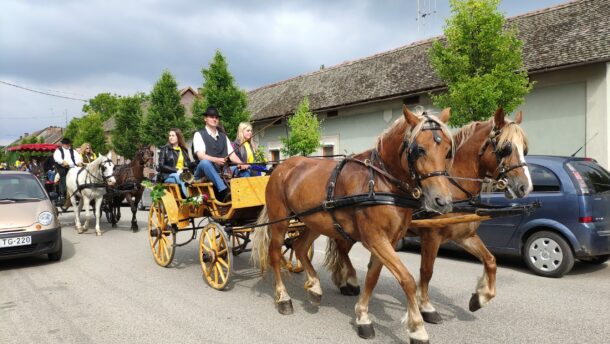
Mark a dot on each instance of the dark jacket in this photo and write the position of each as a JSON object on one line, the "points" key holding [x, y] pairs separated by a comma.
{"points": [[240, 151], [167, 161]]}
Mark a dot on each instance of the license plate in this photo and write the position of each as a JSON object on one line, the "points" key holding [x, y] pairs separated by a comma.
{"points": [[17, 241]]}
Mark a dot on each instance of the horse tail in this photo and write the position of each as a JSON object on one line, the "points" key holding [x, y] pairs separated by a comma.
{"points": [[261, 242], [333, 262]]}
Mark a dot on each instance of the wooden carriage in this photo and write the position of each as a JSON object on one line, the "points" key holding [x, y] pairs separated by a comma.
{"points": [[226, 227]]}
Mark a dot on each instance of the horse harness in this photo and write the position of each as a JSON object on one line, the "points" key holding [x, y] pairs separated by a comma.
{"points": [[80, 187], [381, 198]]}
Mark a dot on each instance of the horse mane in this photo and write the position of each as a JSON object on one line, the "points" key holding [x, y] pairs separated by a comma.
{"points": [[400, 126], [467, 131], [512, 133]]}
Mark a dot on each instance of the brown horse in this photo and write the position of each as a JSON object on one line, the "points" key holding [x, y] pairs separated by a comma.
{"points": [[128, 186], [414, 150], [494, 148]]}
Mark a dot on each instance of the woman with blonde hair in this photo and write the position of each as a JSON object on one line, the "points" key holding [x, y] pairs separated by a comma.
{"points": [[87, 153]]}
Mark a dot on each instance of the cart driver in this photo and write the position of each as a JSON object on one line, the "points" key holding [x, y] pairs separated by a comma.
{"points": [[212, 147], [65, 158]]}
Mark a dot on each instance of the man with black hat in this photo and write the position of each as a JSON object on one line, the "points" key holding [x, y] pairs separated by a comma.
{"points": [[65, 158], [213, 149]]}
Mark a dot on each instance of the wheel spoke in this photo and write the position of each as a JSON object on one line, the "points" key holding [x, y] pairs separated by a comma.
{"points": [[223, 262], [222, 274]]}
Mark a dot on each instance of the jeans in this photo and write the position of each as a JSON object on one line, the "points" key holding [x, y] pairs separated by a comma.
{"points": [[208, 169], [175, 179], [242, 173]]}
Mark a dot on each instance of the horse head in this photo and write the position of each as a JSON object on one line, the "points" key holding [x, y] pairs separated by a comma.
{"points": [[426, 153], [107, 168], [145, 156], [503, 155]]}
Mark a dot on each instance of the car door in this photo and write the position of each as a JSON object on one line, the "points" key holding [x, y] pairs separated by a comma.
{"points": [[497, 233]]}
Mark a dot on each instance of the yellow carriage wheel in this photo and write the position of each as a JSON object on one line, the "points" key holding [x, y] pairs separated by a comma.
{"points": [[215, 256], [289, 260], [161, 236]]}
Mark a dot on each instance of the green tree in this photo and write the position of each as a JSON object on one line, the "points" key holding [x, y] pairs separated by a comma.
{"points": [[91, 130], [127, 132], [165, 111], [220, 91], [73, 129], [105, 104], [304, 137], [480, 62]]}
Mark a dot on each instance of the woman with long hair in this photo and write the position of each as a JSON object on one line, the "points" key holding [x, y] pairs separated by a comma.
{"points": [[244, 146], [87, 153], [173, 159]]}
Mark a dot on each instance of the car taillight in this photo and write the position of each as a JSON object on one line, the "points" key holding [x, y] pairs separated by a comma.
{"points": [[585, 219], [581, 182]]}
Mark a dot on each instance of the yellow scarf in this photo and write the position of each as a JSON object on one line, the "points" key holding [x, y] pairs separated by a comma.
{"points": [[180, 162], [249, 153]]}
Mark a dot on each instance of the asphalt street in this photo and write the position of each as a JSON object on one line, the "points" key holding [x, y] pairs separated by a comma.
{"points": [[108, 289]]}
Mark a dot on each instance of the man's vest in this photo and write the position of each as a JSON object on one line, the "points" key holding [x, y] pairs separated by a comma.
{"points": [[215, 148], [61, 150]]}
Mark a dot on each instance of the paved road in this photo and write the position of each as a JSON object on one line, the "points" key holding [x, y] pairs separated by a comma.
{"points": [[109, 290]]}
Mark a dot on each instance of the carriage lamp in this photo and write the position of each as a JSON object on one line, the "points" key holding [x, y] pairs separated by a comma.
{"points": [[45, 218]]}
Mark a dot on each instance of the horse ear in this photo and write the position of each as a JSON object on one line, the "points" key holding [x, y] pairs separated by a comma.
{"points": [[445, 114], [519, 117], [109, 156], [499, 118], [411, 118]]}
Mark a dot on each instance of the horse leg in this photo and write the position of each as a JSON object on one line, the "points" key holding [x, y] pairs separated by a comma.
{"points": [[134, 209], [312, 285], [486, 287], [77, 209], [364, 323], [430, 242], [342, 271], [98, 214], [86, 202], [282, 299], [383, 250]]}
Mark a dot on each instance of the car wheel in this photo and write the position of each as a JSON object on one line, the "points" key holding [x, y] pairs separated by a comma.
{"points": [[548, 254], [596, 260], [55, 256]]}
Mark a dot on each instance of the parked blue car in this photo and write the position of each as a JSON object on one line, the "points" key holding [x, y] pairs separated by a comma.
{"points": [[573, 221]]}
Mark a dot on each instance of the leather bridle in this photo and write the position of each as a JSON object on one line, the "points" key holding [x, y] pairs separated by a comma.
{"points": [[414, 151], [500, 152]]}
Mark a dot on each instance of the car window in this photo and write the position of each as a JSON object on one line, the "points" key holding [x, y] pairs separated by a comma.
{"points": [[596, 177], [20, 187], [543, 179]]}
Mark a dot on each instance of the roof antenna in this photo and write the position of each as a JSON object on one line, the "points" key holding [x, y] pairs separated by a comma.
{"points": [[425, 10]]}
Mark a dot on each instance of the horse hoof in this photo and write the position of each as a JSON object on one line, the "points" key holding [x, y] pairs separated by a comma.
{"points": [[314, 299], [98, 233], [432, 317], [418, 341], [366, 331], [135, 230], [474, 304], [285, 307], [114, 225], [350, 290]]}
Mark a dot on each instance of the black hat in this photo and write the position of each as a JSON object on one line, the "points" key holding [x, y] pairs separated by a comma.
{"points": [[66, 141], [211, 111]]}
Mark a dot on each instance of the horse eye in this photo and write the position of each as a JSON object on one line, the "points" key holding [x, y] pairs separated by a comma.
{"points": [[449, 154]]}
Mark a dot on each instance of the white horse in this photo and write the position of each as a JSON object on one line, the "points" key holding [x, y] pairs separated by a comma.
{"points": [[89, 183]]}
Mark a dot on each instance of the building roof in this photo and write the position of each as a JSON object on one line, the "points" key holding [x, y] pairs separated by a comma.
{"points": [[50, 134], [558, 37]]}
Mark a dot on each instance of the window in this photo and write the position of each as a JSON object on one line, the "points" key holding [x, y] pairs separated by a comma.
{"points": [[275, 155], [543, 179], [328, 151], [596, 177]]}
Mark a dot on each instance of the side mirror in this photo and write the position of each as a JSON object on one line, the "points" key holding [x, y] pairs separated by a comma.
{"points": [[53, 195]]}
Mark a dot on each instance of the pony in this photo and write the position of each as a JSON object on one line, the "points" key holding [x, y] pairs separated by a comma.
{"points": [[128, 186], [89, 183], [409, 159], [494, 149]]}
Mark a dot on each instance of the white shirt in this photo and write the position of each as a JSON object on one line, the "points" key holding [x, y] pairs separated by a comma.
{"points": [[199, 145], [67, 157]]}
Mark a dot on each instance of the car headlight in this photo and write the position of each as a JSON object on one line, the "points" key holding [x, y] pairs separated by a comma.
{"points": [[45, 218]]}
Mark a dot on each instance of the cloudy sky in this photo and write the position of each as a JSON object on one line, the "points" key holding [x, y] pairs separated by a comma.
{"points": [[77, 49]]}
